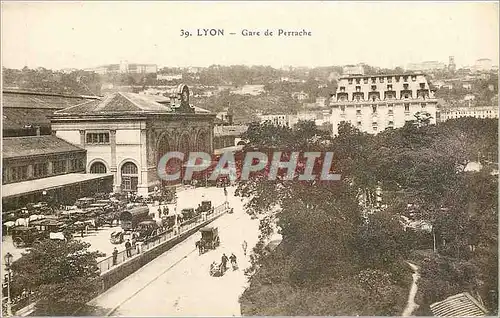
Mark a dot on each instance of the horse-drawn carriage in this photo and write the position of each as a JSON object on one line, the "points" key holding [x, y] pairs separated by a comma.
{"points": [[130, 218], [209, 239], [146, 230], [205, 206], [23, 236]]}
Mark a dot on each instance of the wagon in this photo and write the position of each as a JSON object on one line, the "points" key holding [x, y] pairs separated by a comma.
{"points": [[209, 238], [23, 236]]}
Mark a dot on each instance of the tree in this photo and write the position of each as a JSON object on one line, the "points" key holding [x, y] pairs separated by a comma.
{"points": [[61, 274]]}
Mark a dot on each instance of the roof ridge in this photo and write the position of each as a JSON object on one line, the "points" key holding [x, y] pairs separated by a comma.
{"points": [[61, 111], [133, 103], [130, 100], [104, 102]]}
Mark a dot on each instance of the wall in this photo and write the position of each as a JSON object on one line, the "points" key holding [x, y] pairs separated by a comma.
{"points": [[114, 276]]}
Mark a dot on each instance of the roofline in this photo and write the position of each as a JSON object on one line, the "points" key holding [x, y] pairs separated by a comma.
{"points": [[382, 75], [124, 116], [10, 91], [84, 151]]}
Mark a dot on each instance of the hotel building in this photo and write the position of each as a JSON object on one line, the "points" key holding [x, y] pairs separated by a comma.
{"points": [[374, 103]]}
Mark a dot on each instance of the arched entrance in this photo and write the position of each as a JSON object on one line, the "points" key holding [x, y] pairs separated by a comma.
{"points": [[98, 167], [202, 142], [130, 176], [184, 147], [163, 146]]}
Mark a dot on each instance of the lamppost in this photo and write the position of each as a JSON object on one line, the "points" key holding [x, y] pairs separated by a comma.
{"points": [[8, 262]]}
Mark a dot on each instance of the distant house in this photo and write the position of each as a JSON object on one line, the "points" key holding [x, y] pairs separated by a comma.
{"points": [[300, 95], [169, 77]]}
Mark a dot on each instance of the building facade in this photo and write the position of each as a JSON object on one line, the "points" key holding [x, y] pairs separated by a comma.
{"points": [[374, 103], [126, 134], [125, 67], [426, 66], [277, 120], [38, 166], [27, 113], [353, 70], [476, 112]]}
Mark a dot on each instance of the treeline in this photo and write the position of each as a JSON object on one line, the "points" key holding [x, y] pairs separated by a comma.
{"points": [[337, 258], [48, 81]]}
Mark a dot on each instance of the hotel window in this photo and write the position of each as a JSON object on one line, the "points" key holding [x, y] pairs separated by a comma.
{"points": [[358, 111], [374, 126], [407, 107], [405, 86], [374, 80], [389, 87], [342, 108], [389, 79], [390, 111], [413, 78], [405, 78], [422, 85], [59, 166], [381, 79], [342, 88], [391, 123], [19, 173], [365, 80], [374, 87], [358, 88], [98, 138], [349, 81], [40, 169], [423, 105], [406, 96], [359, 124], [397, 79], [374, 109], [358, 80]]}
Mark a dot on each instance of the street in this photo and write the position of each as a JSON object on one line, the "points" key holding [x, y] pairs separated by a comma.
{"points": [[99, 240], [178, 283]]}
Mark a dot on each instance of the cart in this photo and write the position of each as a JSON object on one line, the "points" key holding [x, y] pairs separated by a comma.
{"points": [[217, 270], [209, 238]]}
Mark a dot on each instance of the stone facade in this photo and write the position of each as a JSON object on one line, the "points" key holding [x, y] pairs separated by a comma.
{"points": [[126, 134]]}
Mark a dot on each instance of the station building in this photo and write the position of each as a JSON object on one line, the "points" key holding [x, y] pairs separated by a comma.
{"points": [[126, 134], [46, 168]]}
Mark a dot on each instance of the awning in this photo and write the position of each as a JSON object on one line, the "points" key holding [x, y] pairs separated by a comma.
{"points": [[32, 186]]}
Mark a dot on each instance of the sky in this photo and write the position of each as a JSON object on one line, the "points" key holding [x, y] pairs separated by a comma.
{"points": [[58, 35]]}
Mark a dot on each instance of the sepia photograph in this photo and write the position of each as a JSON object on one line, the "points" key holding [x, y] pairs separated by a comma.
{"points": [[249, 158]]}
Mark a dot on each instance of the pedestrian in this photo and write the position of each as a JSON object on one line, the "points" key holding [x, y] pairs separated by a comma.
{"points": [[81, 231], [233, 261], [138, 247], [244, 245], [165, 210], [224, 260], [115, 256], [159, 211], [128, 248]]}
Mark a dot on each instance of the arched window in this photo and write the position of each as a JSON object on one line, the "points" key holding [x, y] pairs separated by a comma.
{"points": [[98, 167], [129, 177]]}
